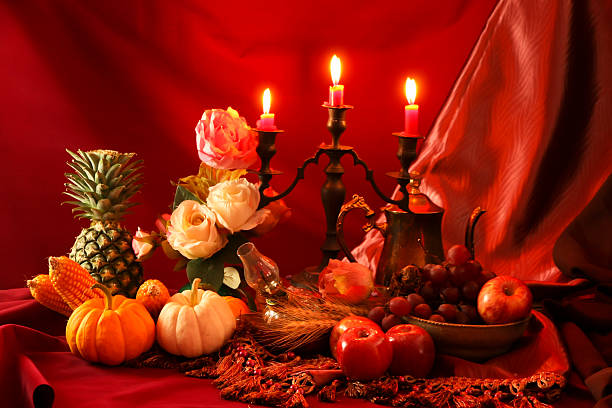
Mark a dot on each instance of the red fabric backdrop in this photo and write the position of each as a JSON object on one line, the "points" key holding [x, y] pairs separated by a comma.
{"points": [[525, 134], [136, 76]]}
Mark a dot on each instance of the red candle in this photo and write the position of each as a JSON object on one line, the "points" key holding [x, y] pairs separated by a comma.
{"points": [[411, 119], [266, 121], [336, 91]]}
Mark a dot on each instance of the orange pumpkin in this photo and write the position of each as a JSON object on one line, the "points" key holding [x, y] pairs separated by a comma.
{"points": [[153, 295], [110, 330], [237, 305]]}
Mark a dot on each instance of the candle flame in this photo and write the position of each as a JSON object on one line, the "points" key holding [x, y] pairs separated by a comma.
{"points": [[410, 90], [335, 68], [267, 98]]}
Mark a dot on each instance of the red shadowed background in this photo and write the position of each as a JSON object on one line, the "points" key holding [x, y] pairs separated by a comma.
{"points": [[524, 133], [137, 76]]}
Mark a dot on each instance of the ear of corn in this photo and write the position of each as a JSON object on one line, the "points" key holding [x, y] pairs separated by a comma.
{"points": [[72, 281], [42, 290]]}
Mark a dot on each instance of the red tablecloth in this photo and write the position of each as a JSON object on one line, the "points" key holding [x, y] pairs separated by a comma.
{"points": [[36, 367]]}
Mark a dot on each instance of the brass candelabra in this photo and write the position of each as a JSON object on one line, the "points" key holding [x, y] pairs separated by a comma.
{"points": [[333, 191]]}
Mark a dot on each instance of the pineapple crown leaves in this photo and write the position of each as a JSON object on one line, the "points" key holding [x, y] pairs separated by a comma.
{"points": [[102, 183]]}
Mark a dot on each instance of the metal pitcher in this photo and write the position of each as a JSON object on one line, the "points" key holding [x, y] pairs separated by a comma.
{"points": [[411, 237]]}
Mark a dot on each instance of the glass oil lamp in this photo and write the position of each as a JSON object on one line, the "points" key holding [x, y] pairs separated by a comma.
{"points": [[261, 273]]}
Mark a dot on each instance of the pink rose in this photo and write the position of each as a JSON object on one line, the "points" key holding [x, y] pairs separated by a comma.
{"points": [[142, 244], [347, 281], [224, 140], [192, 231]]}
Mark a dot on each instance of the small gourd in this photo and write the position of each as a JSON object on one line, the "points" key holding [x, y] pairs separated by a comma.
{"points": [[153, 295], [195, 322], [237, 306], [110, 330]]}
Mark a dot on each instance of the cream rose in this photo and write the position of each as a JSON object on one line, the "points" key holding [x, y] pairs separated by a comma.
{"points": [[235, 203], [192, 231]]}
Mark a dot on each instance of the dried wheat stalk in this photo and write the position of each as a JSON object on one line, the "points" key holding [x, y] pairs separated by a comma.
{"points": [[300, 321]]}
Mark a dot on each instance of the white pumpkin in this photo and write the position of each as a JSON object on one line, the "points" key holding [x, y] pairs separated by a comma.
{"points": [[195, 322]]}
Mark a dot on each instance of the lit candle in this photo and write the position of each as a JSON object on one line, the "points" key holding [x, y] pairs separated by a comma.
{"points": [[266, 121], [336, 92], [411, 122]]}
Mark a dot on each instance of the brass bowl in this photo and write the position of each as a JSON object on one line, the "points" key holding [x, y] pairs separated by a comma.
{"points": [[475, 342]]}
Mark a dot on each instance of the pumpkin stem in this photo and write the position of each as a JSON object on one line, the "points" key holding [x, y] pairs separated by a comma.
{"points": [[107, 295], [194, 291]]}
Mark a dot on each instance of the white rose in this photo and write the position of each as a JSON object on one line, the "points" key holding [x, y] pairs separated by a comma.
{"points": [[235, 203], [192, 231]]}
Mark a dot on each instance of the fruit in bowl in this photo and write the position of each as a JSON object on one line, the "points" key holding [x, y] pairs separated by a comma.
{"points": [[475, 342], [504, 299], [468, 311]]}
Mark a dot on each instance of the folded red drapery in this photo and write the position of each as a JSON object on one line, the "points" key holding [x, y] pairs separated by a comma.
{"points": [[524, 134], [44, 365]]}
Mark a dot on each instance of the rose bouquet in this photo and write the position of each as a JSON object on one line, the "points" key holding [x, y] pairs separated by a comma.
{"points": [[216, 210]]}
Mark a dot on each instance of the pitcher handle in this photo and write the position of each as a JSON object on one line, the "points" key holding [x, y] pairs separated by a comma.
{"points": [[357, 202], [469, 229]]}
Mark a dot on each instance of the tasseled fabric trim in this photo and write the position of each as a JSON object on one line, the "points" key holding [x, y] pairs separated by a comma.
{"points": [[245, 371]]}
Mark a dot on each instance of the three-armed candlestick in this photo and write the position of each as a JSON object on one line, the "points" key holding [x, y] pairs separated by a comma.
{"points": [[333, 192]]}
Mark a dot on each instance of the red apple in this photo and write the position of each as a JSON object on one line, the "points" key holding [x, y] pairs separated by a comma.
{"points": [[347, 323], [504, 299], [364, 353], [413, 351]]}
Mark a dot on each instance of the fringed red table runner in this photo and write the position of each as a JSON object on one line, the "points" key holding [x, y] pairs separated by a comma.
{"points": [[246, 371]]}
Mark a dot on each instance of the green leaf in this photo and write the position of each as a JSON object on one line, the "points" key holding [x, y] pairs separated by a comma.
{"points": [[237, 293], [250, 300], [231, 277], [210, 271], [233, 242], [183, 194], [115, 192], [92, 157], [110, 174], [227, 291]]}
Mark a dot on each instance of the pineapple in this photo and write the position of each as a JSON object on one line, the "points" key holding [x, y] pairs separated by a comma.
{"points": [[101, 185]]}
